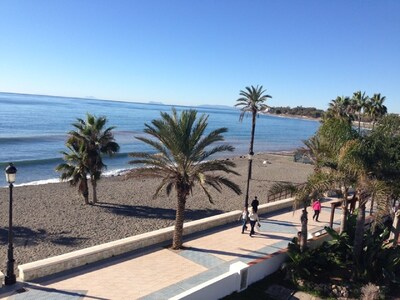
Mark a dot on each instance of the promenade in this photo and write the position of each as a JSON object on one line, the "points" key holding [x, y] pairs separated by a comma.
{"points": [[161, 273]]}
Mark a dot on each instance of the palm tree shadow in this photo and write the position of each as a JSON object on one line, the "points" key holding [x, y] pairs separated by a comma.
{"points": [[23, 236], [142, 211], [250, 255], [68, 240], [26, 237]]}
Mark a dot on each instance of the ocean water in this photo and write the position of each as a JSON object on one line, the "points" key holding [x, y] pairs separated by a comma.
{"points": [[33, 131]]}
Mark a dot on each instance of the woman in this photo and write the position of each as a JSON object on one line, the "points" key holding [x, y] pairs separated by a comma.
{"points": [[317, 209], [253, 217]]}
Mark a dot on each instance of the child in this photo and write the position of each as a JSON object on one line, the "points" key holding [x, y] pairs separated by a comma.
{"points": [[243, 218], [317, 209]]}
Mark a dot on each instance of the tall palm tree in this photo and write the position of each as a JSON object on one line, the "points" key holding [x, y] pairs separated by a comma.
{"points": [[182, 160], [359, 102], [74, 169], [252, 101], [97, 141]]}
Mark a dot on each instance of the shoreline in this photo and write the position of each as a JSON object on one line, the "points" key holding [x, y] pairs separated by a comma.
{"points": [[297, 117], [51, 219]]}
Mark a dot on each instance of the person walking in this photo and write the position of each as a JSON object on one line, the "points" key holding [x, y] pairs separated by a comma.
{"points": [[317, 209], [253, 217], [244, 218], [254, 204]]}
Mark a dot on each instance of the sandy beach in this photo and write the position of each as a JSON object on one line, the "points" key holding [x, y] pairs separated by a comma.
{"points": [[52, 219]]}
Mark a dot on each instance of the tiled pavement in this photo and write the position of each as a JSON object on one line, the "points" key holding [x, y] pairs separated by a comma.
{"points": [[160, 273]]}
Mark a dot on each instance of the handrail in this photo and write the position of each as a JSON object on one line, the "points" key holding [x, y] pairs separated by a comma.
{"points": [[282, 195]]}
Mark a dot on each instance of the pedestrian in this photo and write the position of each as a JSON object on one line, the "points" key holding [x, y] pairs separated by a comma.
{"points": [[244, 218], [317, 209], [254, 204], [253, 218]]}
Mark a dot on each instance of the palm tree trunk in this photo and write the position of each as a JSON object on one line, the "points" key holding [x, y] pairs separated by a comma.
{"points": [[253, 130], [344, 211], [304, 231], [94, 189], [250, 166], [394, 234], [85, 190], [372, 205], [179, 219], [251, 153], [359, 231]]}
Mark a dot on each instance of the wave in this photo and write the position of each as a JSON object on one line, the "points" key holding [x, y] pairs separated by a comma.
{"points": [[111, 173], [34, 161], [40, 182], [55, 160], [60, 137], [33, 139]]}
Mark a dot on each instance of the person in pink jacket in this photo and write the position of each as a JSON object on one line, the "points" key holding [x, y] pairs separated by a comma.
{"points": [[317, 209]]}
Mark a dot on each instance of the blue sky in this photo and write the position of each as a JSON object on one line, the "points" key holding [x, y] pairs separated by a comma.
{"points": [[201, 52]]}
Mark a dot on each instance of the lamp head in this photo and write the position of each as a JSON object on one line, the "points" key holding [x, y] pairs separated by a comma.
{"points": [[11, 172]]}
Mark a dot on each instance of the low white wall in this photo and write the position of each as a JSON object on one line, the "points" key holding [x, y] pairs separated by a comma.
{"points": [[215, 288], [229, 282], [85, 256]]}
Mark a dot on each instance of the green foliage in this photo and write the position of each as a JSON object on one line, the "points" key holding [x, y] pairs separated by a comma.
{"points": [[339, 250], [380, 263], [310, 112], [333, 135], [306, 265]]}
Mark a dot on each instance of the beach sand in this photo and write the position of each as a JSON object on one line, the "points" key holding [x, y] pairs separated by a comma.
{"points": [[52, 219]]}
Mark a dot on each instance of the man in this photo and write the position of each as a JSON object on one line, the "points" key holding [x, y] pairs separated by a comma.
{"points": [[254, 204]]}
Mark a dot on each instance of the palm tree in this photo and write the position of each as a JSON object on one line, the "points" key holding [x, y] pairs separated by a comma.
{"points": [[340, 108], [359, 102], [358, 159], [74, 169], [332, 137], [314, 151], [182, 160], [316, 184], [376, 108], [252, 101], [382, 148], [96, 141]]}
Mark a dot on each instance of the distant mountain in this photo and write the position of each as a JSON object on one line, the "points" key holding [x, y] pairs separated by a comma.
{"points": [[215, 106], [156, 102]]}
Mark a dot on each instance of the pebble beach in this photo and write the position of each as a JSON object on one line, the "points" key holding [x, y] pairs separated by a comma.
{"points": [[52, 219]]}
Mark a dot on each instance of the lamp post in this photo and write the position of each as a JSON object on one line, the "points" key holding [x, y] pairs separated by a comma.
{"points": [[10, 278]]}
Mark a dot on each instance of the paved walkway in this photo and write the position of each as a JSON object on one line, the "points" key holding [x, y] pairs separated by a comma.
{"points": [[160, 273]]}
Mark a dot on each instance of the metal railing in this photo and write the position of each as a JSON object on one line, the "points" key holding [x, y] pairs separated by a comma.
{"points": [[282, 195]]}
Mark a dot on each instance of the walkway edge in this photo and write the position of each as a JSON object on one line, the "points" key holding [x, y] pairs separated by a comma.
{"points": [[93, 254]]}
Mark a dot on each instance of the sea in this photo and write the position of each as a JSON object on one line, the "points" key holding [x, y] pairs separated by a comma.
{"points": [[33, 131]]}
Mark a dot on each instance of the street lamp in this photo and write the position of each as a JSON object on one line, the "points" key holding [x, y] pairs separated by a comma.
{"points": [[10, 278]]}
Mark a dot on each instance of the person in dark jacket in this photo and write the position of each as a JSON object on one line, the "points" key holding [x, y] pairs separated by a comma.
{"points": [[254, 204]]}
